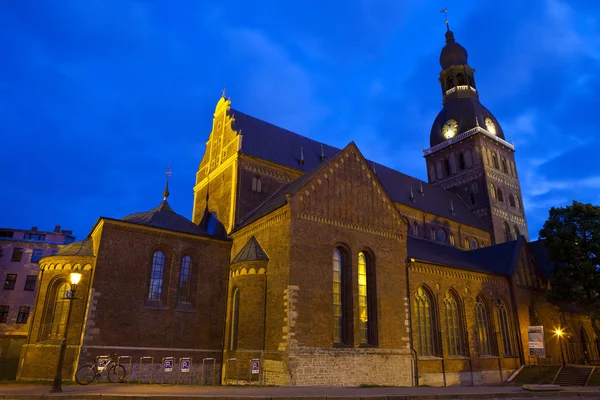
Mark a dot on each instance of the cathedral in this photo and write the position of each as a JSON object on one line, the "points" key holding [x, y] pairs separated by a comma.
{"points": [[327, 267]]}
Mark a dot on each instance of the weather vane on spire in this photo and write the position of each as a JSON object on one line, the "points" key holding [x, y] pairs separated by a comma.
{"points": [[168, 174], [445, 11], [224, 91]]}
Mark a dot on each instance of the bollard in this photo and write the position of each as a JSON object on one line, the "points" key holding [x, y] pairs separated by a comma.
{"points": [[237, 368], [151, 359], [185, 366], [129, 371], [204, 360], [167, 367]]}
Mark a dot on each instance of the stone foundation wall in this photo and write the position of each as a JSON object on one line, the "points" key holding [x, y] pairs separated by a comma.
{"points": [[275, 373], [349, 367], [464, 378]]}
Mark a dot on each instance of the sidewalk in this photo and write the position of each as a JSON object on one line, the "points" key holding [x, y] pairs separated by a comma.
{"points": [[144, 392]]}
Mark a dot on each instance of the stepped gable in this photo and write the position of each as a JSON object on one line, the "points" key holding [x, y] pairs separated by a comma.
{"points": [[272, 143]]}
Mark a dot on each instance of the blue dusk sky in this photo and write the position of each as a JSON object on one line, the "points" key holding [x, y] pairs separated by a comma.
{"points": [[97, 97]]}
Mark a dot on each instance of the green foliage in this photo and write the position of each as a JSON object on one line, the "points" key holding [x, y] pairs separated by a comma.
{"points": [[572, 236]]}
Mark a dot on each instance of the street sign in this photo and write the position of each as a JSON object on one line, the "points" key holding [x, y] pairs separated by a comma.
{"points": [[102, 363], [255, 367], [535, 335], [168, 364], [185, 365]]}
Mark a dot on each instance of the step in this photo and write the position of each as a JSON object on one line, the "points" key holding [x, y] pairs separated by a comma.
{"points": [[573, 376]]}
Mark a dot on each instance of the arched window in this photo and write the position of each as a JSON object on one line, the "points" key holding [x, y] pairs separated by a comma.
{"points": [[504, 167], [461, 161], [415, 228], [342, 302], [495, 161], [483, 327], [156, 276], [508, 342], [234, 319], [441, 235], [185, 280], [466, 243], [460, 79], [507, 233], [449, 84], [517, 202], [432, 233], [474, 244], [257, 184], [492, 190], [511, 200], [425, 323], [366, 299], [60, 310], [454, 325], [446, 165], [452, 239], [211, 224], [474, 187], [500, 195], [472, 198], [517, 231]]}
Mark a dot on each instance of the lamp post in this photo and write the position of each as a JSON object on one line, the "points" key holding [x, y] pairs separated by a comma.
{"points": [[560, 333], [74, 279]]}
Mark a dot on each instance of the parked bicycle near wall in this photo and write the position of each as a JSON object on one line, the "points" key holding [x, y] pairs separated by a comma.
{"points": [[87, 373]]}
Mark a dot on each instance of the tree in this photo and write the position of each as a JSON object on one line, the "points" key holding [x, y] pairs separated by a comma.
{"points": [[572, 236]]}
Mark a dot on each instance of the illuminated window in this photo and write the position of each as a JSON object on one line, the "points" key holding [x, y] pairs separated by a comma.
{"points": [[4, 314], [425, 323], [235, 319], [506, 331], [454, 325], [492, 190], [511, 200], [30, 283], [59, 312], [11, 280], [452, 240], [466, 243], [156, 276], [36, 255], [483, 328], [363, 304], [23, 314], [185, 279]]}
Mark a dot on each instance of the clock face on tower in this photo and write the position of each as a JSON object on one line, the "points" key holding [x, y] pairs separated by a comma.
{"points": [[489, 125], [450, 128]]}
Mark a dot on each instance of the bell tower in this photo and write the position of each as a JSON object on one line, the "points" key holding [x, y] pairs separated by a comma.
{"points": [[468, 153]]}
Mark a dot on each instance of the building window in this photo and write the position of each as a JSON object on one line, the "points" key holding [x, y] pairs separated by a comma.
{"points": [[426, 327], [495, 161], [257, 184], [156, 276], [441, 235], [466, 243], [461, 161], [474, 187], [30, 283], [474, 244], [59, 312], [517, 232], [3, 314], [472, 198], [35, 236], [10, 282], [6, 234], [23, 315], [483, 328], [17, 254], [511, 200], [504, 167], [432, 233], [342, 300], [492, 190], [508, 343], [446, 165], [235, 319], [367, 299], [507, 233], [452, 240], [185, 279], [454, 325], [36, 255], [500, 195], [517, 202], [415, 229]]}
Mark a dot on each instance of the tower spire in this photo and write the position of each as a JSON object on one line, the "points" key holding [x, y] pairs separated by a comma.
{"points": [[168, 174], [445, 11], [224, 91]]}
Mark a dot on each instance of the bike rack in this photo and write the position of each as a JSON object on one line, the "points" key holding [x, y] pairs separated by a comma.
{"points": [[237, 369], [214, 361], [151, 359], [169, 372], [259, 370], [98, 358], [127, 372], [181, 371]]}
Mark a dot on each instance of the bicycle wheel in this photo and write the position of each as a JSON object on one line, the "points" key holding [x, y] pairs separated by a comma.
{"points": [[116, 373], [85, 374]]}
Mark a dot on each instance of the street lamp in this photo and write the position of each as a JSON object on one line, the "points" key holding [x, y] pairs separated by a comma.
{"points": [[559, 332], [74, 278]]}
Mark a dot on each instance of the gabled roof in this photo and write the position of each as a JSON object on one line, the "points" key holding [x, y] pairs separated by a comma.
{"points": [[80, 248], [272, 143], [251, 252], [542, 256], [164, 217], [500, 259]]}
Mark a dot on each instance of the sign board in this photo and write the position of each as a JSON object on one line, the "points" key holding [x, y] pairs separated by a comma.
{"points": [[535, 335], [168, 364], [185, 365], [102, 362], [255, 367]]}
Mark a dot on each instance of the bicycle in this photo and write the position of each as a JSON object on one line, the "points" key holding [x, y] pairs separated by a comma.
{"points": [[87, 373]]}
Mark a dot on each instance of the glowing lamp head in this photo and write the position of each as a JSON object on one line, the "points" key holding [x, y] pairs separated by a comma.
{"points": [[559, 332], [75, 277]]}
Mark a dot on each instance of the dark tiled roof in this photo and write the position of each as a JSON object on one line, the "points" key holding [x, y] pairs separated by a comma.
{"points": [[542, 256], [251, 252], [499, 259], [164, 217], [81, 248], [272, 143]]}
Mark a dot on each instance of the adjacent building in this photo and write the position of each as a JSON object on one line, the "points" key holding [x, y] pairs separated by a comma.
{"points": [[20, 252]]}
